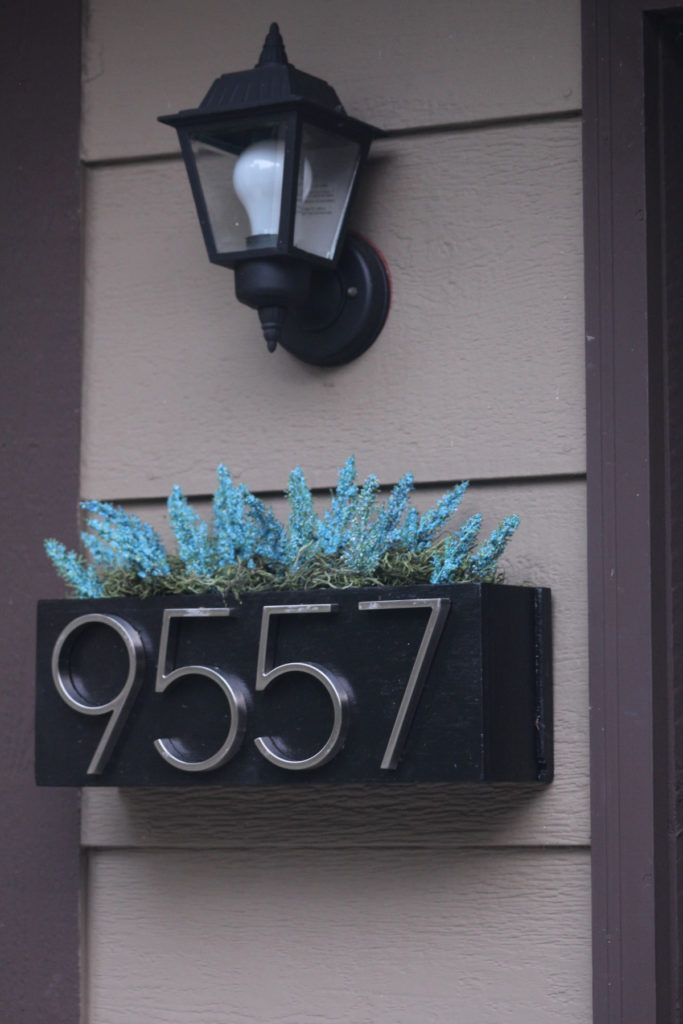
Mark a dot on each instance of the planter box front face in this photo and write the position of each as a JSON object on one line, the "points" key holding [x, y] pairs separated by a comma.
{"points": [[409, 684]]}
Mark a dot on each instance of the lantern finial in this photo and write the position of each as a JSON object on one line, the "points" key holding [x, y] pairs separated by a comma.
{"points": [[273, 51]]}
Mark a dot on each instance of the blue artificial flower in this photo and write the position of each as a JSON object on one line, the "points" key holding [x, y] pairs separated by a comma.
{"points": [[362, 545], [436, 518], [391, 515], [100, 552], [228, 516], [333, 528], [407, 535], [269, 535], [484, 563], [450, 557], [303, 521], [125, 541], [244, 527], [191, 533], [73, 568]]}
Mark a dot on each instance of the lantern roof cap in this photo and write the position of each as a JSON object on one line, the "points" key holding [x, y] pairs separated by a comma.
{"points": [[273, 82], [273, 51]]}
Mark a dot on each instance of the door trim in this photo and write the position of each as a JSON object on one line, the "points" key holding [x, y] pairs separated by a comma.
{"points": [[40, 340], [632, 515]]}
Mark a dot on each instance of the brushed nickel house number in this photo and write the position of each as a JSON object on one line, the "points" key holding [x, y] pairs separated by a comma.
{"points": [[234, 690]]}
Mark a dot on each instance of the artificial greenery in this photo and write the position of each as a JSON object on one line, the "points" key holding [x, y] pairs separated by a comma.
{"points": [[358, 541]]}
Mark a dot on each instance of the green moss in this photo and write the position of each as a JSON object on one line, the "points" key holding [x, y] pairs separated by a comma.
{"points": [[398, 568]]}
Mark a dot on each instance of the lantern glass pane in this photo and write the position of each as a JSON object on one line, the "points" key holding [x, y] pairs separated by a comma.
{"points": [[327, 171], [240, 169]]}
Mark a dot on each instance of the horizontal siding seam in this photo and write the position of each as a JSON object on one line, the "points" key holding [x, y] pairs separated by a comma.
{"points": [[535, 848], [323, 492], [453, 128], [485, 124]]}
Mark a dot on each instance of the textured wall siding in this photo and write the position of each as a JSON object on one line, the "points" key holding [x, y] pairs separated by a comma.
{"points": [[440, 62], [304, 937], [478, 369], [445, 903]]}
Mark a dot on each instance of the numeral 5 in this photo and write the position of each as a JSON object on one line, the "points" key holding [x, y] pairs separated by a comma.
{"points": [[230, 687], [338, 692]]}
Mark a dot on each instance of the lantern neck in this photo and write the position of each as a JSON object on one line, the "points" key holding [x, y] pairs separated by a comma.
{"points": [[272, 286], [323, 315]]}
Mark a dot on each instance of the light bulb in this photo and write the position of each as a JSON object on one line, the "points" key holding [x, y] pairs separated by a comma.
{"points": [[257, 180]]}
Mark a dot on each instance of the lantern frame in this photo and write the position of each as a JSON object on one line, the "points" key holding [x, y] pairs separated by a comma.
{"points": [[292, 118]]}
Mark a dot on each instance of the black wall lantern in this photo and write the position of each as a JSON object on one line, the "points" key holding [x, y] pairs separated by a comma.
{"points": [[273, 161]]}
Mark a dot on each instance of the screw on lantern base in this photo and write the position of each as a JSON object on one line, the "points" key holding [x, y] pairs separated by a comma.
{"points": [[324, 316]]}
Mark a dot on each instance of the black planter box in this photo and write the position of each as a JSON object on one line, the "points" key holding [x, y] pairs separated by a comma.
{"points": [[481, 706]]}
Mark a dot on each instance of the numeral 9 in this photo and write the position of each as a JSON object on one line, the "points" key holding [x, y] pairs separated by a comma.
{"points": [[120, 705]]}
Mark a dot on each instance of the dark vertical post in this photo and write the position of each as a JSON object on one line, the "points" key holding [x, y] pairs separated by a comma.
{"points": [[40, 329], [633, 514], [664, 170]]}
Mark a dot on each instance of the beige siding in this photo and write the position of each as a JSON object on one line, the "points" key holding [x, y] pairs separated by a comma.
{"points": [[370, 937], [550, 547], [478, 373], [437, 62], [362, 906]]}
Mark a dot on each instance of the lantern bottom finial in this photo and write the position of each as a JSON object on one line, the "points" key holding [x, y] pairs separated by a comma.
{"points": [[272, 319]]}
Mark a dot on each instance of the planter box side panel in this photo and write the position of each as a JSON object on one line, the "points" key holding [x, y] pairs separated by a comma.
{"points": [[517, 651]]}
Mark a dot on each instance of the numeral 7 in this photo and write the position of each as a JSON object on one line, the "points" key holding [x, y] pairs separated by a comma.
{"points": [[430, 639]]}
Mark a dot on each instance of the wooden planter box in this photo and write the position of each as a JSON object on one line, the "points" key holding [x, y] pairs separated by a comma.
{"points": [[369, 685]]}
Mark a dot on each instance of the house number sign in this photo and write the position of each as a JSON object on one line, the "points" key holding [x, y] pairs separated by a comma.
{"points": [[394, 685]]}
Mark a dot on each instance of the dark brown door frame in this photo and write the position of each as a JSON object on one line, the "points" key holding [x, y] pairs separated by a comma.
{"points": [[40, 380], [633, 177]]}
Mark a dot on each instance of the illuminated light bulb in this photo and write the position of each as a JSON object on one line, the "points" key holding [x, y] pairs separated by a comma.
{"points": [[257, 179]]}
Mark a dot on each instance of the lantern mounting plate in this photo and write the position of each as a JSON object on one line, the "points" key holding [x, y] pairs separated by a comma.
{"points": [[346, 309]]}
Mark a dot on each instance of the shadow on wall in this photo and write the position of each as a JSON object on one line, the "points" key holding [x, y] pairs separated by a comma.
{"points": [[347, 816]]}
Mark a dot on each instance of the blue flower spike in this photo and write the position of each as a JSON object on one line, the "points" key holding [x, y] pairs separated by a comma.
{"points": [[74, 570], [303, 522], [124, 540], [191, 534]]}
